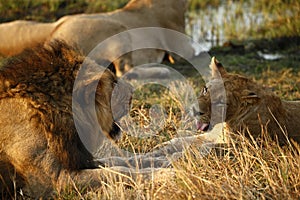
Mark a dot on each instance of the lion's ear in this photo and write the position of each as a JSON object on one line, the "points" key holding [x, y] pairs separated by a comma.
{"points": [[217, 68]]}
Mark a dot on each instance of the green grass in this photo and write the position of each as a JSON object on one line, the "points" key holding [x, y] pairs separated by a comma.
{"points": [[242, 56], [51, 10]]}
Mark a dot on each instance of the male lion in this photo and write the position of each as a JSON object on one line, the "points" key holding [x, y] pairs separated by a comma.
{"points": [[250, 108], [40, 145]]}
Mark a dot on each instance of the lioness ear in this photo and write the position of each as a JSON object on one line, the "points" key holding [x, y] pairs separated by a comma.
{"points": [[216, 68]]}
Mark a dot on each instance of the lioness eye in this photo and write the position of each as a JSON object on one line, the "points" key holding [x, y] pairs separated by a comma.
{"points": [[204, 91], [198, 113]]}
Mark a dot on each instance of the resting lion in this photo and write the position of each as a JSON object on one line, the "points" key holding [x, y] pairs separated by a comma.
{"points": [[250, 108], [40, 146], [88, 30]]}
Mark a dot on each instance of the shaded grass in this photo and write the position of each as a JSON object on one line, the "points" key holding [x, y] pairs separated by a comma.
{"points": [[285, 83], [157, 115], [243, 56]]}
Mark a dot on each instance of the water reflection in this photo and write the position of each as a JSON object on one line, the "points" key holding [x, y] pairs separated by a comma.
{"points": [[214, 25]]}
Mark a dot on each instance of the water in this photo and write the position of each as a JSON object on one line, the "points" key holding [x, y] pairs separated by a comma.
{"points": [[214, 25]]}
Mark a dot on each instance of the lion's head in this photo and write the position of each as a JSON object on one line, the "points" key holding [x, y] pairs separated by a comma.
{"points": [[237, 100], [99, 97]]}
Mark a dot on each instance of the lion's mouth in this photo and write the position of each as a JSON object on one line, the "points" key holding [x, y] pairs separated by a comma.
{"points": [[202, 126]]}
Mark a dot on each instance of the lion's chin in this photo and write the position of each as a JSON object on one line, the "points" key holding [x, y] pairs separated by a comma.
{"points": [[115, 131], [202, 126]]}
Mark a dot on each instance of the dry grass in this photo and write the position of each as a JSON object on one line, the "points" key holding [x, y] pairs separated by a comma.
{"points": [[247, 170]]}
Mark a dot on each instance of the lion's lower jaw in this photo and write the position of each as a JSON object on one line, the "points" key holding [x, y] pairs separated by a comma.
{"points": [[115, 131]]}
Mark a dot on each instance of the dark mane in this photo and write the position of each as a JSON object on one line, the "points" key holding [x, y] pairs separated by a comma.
{"points": [[44, 68]]}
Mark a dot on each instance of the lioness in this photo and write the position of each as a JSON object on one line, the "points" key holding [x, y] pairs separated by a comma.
{"points": [[40, 146], [250, 108], [88, 30]]}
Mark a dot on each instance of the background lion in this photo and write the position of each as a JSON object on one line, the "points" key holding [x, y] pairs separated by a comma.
{"points": [[88, 30], [40, 146], [250, 108]]}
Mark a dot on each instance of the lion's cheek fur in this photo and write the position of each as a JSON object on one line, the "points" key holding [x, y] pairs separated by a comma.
{"points": [[103, 103], [105, 119]]}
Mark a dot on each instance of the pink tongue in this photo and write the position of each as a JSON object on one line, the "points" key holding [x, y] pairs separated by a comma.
{"points": [[201, 126]]}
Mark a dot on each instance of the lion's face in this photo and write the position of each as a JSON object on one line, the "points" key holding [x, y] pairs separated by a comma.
{"points": [[231, 98], [100, 98]]}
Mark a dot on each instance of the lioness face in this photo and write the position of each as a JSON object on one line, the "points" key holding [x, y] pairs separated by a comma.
{"points": [[225, 97], [204, 112]]}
